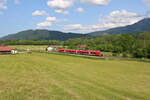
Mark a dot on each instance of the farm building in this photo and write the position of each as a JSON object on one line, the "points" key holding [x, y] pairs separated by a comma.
{"points": [[51, 48], [5, 50], [81, 46]]}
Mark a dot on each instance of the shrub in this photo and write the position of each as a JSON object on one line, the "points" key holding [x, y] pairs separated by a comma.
{"points": [[117, 49], [140, 53], [148, 51], [115, 54], [124, 54]]}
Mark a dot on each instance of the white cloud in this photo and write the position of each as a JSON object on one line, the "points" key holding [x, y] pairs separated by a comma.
{"points": [[51, 19], [60, 11], [3, 4], [44, 24], [60, 4], [39, 13], [120, 18], [80, 10], [114, 19], [96, 2], [47, 22], [78, 28], [73, 27]]}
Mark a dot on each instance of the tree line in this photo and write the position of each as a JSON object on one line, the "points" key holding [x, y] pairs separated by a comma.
{"points": [[30, 42]]}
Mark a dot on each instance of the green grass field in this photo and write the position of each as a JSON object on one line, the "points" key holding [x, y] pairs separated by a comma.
{"points": [[31, 47], [41, 76]]}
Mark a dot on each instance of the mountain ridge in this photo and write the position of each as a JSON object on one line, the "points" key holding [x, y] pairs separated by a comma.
{"points": [[43, 34], [140, 26]]}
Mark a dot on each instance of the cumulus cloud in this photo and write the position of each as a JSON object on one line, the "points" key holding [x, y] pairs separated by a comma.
{"points": [[96, 2], [73, 27], [3, 4], [51, 19], [80, 28], [39, 13], [114, 19], [60, 4], [47, 23], [61, 11], [120, 18], [44, 24], [80, 10]]}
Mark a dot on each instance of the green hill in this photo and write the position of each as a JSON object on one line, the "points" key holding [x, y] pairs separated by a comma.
{"points": [[42, 35]]}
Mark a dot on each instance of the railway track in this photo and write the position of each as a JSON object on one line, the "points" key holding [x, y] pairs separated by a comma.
{"points": [[102, 57], [107, 57]]}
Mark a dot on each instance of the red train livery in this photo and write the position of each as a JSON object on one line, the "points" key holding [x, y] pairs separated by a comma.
{"points": [[81, 52]]}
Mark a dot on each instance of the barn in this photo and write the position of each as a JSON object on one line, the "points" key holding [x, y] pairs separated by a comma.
{"points": [[5, 50]]}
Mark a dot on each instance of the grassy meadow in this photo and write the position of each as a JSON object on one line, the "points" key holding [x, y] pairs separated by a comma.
{"points": [[42, 76], [31, 47]]}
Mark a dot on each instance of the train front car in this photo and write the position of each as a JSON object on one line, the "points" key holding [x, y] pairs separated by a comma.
{"points": [[61, 50], [98, 53], [95, 53]]}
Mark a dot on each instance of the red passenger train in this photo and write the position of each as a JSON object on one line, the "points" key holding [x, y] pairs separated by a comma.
{"points": [[81, 52]]}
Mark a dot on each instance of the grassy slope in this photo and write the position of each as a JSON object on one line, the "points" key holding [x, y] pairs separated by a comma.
{"points": [[41, 76]]}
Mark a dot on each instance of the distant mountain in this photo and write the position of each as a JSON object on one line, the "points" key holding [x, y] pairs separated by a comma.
{"points": [[141, 26], [42, 35]]}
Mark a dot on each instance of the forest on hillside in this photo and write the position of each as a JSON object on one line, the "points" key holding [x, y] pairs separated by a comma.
{"points": [[137, 45]]}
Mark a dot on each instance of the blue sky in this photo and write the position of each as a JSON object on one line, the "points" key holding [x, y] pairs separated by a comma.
{"points": [[81, 16]]}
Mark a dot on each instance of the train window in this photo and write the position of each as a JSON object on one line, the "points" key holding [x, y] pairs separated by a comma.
{"points": [[93, 53]]}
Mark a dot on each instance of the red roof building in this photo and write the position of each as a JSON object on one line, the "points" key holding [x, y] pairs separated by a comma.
{"points": [[81, 46], [5, 49]]}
